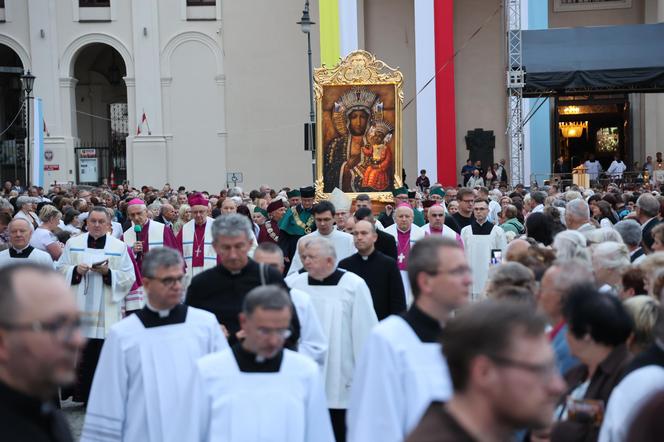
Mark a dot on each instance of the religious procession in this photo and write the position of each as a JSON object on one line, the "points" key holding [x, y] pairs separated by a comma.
{"points": [[464, 244]]}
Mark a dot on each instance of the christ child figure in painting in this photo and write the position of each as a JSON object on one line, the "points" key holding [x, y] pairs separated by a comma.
{"points": [[378, 156]]}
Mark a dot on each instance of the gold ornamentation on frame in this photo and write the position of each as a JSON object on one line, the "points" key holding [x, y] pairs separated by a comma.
{"points": [[361, 83]]}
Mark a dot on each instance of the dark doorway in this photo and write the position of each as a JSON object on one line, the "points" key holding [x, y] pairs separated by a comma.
{"points": [[101, 108], [596, 125], [12, 116]]}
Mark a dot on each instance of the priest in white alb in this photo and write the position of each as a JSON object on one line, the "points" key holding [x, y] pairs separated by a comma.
{"points": [[144, 234], [257, 390], [101, 273], [148, 359], [323, 214], [344, 306], [20, 231], [195, 238], [482, 238], [405, 234], [436, 225], [402, 368]]}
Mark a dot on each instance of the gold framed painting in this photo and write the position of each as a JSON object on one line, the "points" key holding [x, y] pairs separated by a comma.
{"points": [[358, 127]]}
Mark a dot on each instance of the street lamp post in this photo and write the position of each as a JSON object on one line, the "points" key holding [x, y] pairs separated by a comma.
{"points": [[28, 82], [306, 24]]}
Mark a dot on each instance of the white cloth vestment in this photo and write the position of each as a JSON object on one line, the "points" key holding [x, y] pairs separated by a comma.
{"points": [[100, 304], [228, 405], [144, 375], [396, 379], [347, 315]]}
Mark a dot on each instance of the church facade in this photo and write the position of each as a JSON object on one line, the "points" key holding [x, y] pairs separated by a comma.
{"points": [[210, 93]]}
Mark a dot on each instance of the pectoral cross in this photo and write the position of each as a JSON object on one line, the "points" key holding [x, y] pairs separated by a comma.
{"points": [[198, 252], [401, 258]]}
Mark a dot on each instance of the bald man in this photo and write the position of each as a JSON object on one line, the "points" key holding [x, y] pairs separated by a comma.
{"points": [[379, 271]]}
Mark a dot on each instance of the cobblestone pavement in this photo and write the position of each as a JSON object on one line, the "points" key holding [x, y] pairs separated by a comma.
{"points": [[75, 413]]}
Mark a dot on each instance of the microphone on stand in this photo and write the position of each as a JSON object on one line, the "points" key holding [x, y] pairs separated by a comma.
{"points": [[138, 229]]}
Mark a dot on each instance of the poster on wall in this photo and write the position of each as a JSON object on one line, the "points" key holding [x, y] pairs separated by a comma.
{"points": [[87, 166]]}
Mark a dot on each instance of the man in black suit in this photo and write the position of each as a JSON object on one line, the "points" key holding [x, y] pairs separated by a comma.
{"points": [[385, 242], [167, 215], [380, 272], [647, 209]]}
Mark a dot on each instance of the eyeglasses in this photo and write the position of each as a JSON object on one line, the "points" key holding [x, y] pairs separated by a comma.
{"points": [[98, 222], [458, 271], [544, 371], [62, 329], [168, 281], [283, 333]]}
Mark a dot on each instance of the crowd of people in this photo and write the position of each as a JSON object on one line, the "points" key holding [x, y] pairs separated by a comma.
{"points": [[466, 313]]}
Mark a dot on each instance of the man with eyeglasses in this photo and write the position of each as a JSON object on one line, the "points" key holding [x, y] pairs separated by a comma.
{"points": [[401, 369], [40, 339], [437, 227], [466, 199], [324, 216], [257, 390], [147, 361], [482, 241], [101, 272], [503, 372], [343, 303]]}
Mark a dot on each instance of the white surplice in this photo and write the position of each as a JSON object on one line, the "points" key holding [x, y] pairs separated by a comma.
{"points": [[228, 405], [313, 342], [343, 246], [347, 315], [143, 377], [478, 252], [396, 379], [100, 304], [36, 257]]}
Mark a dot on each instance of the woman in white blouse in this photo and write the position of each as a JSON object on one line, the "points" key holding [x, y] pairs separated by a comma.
{"points": [[43, 237]]}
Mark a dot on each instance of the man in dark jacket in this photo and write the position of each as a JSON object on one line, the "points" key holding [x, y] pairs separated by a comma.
{"points": [[40, 338], [379, 271]]}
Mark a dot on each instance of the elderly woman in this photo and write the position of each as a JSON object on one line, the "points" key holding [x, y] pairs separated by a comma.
{"points": [[650, 266], [44, 237], [658, 238], [599, 327], [507, 275], [610, 260], [571, 244], [644, 311], [184, 216], [25, 207]]}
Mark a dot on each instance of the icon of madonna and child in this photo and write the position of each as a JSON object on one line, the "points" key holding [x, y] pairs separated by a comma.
{"points": [[360, 155]]}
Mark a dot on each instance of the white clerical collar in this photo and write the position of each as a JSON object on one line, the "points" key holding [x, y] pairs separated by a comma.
{"points": [[20, 250], [328, 235], [161, 313], [403, 231]]}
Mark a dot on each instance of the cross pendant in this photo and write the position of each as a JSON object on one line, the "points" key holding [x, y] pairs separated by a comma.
{"points": [[401, 258]]}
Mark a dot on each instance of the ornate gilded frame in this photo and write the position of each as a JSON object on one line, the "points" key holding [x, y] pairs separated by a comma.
{"points": [[359, 68]]}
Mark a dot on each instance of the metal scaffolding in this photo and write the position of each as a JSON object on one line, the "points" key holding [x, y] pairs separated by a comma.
{"points": [[515, 84]]}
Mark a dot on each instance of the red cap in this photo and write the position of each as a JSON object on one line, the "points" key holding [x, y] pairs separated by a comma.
{"points": [[136, 202], [197, 199]]}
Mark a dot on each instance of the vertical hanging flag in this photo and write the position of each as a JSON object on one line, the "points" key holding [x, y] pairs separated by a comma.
{"points": [[434, 77], [144, 119], [329, 32], [38, 146], [338, 30]]}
